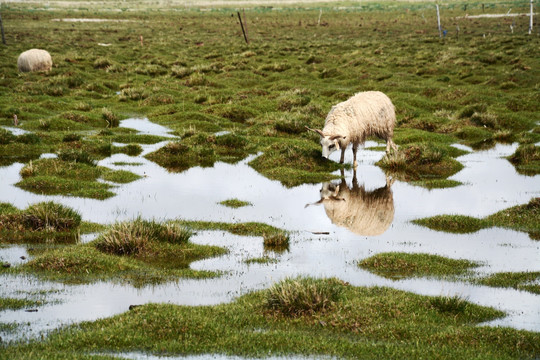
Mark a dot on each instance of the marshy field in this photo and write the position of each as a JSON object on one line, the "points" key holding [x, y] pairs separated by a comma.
{"points": [[161, 198]]}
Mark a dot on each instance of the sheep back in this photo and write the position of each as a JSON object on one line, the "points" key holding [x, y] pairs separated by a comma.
{"points": [[369, 113], [34, 60]]}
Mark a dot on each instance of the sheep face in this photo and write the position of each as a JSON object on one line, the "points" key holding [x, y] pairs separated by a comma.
{"points": [[329, 190], [330, 144]]}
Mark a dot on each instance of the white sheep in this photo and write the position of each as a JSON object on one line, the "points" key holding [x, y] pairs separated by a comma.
{"points": [[369, 113], [34, 60]]}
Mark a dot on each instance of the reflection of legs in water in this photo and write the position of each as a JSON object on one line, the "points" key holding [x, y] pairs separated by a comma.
{"points": [[355, 163]]}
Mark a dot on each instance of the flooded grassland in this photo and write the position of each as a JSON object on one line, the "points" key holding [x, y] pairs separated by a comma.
{"points": [[160, 195]]}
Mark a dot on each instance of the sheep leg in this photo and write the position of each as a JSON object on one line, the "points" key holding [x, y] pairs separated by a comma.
{"points": [[342, 159], [390, 144], [354, 150]]}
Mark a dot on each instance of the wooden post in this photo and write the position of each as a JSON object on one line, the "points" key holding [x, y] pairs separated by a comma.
{"points": [[242, 25], [531, 19], [439, 21], [2, 30], [245, 22]]}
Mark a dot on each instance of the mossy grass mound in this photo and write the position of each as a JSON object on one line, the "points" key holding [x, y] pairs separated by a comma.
{"points": [[138, 251], [71, 177], [402, 265], [235, 203], [45, 222], [355, 322], [302, 296], [135, 237], [201, 150], [522, 218], [421, 162], [526, 159]]}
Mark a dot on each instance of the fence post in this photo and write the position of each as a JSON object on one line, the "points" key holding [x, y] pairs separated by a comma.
{"points": [[242, 26], [245, 22], [531, 19], [439, 21]]}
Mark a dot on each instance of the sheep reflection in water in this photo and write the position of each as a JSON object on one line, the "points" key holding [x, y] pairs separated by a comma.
{"points": [[368, 213]]}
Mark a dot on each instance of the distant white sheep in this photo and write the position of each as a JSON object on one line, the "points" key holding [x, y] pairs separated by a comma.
{"points": [[34, 60], [369, 113]]}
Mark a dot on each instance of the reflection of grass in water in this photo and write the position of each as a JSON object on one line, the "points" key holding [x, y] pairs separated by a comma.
{"points": [[522, 218], [262, 260], [402, 265], [278, 241], [528, 281], [327, 318]]}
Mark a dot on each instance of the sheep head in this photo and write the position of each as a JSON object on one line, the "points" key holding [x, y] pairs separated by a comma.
{"points": [[329, 143]]}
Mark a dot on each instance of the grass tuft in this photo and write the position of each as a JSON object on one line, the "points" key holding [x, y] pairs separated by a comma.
{"points": [[302, 296], [449, 304], [50, 215], [134, 237]]}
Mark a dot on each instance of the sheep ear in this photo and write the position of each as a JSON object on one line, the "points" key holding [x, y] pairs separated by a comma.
{"points": [[317, 131]]}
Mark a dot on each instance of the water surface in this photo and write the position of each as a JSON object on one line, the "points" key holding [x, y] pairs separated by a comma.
{"points": [[378, 221]]}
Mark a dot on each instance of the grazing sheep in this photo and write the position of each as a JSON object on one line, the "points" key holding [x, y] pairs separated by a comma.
{"points": [[369, 113], [34, 60], [362, 212]]}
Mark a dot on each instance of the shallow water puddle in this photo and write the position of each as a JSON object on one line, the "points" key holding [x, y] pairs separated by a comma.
{"points": [[490, 184]]}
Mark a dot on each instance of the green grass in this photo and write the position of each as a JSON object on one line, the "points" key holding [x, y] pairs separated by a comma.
{"points": [[14, 304], [265, 93], [522, 218], [527, 281], [235, 203], [355, 322], [208, 80], [395, 265]]}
